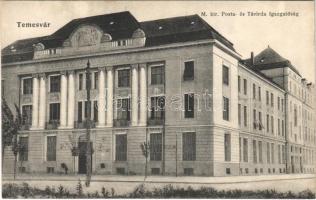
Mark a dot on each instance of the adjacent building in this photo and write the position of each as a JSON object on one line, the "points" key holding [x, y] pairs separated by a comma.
{"points": [[176, 83]]}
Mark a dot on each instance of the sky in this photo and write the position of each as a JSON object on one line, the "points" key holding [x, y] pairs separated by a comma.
{"points": [[292, 37]]}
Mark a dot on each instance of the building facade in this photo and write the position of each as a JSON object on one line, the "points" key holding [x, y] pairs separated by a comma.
{"points": [[174, 83]]}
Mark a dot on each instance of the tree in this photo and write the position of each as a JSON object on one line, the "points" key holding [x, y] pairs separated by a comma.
{"points": [[10, 128]]}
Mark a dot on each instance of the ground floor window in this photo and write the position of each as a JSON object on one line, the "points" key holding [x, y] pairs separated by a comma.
{"points": [[121, 147], [23, 148], [51, 148], [155, 146], [188, 146]]}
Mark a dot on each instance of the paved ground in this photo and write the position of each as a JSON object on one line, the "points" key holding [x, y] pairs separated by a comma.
{"points": [[124, 184]]}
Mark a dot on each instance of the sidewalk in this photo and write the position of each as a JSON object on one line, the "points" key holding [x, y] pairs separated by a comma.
{"points": [[159, 179]]}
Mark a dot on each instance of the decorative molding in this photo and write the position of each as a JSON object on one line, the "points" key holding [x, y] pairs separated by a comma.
{"points": [[109, 68], [39, 47], [138, 33], [35, 75], [101, 69], [106, 38], [63, 72], [134, 66]]}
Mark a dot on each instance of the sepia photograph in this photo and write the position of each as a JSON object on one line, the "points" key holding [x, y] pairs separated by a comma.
{"points": [[158, 99]]}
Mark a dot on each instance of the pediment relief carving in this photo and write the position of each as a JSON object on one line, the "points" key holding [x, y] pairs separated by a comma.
{"points": [[86, 35]]}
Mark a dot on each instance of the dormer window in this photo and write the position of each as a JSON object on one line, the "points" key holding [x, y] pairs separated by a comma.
{"points": [[192, 23], [111, 23], [160, 27]]}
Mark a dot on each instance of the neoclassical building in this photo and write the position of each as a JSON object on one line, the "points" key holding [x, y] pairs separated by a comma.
{"points": [[176, 83]]}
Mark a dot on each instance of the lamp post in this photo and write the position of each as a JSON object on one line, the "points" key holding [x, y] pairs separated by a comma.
{"points": [[88, 127]]}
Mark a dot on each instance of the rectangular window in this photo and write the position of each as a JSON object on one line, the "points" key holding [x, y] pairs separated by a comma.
{"points": [[254, 119], [240, 150], [87, 109], [268, 125], [123, 109], [260, 152], [156, 146], [80, 81], [188, 146], [272, 125], [95, 111], [157, 75], [279, 154], [295, 116], [254, 148], [189, 105], [54, 112], [239, 114], [227, 144], [157, 107], [27, 114], [272, 153], [283, 154], [79, 111], [121, 147], [245, 116], [272, 100], [245, 150], [96, 80], [254, 91], [278, 103], [283, 127], [282, 105], [238, 83], [51, 148], [27, 85], [245, 86], [188, 71], [268, 152], [225, 75], [279, 127], [259, 93], [54, 83], [260, 121], [226, 108], [123, 78], [24, 148], [267, 97]]}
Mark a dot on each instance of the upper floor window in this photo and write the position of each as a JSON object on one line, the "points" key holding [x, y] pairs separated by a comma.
{"points": [[238, 83], [189, 146], [54, 112], [295, 116], [27, 86], [188, 71], [226, 108], [123, 109], [259, 93], [81, 81], [254, 91], [124, 78], [27, 114], [272, 100], [189, 105], [245, 116], [157, 75], [96, 80], [157, 107], [54, 83], [278, 103], [225, 75], [245, 86], [267, 97]]}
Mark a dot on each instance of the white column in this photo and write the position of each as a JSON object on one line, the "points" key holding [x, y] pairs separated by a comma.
{"points": [[101, 100], [35, 102], [134, 95], [109, 97], [42, 102], [143, 95], [71, 99], [63, 100]]}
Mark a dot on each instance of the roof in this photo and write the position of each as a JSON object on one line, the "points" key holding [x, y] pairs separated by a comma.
{"points": [[269, 59], [122, 25], [180, 29]]}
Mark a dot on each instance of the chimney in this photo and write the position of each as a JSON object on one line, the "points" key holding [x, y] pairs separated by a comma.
{"points": [[252, 58]]}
